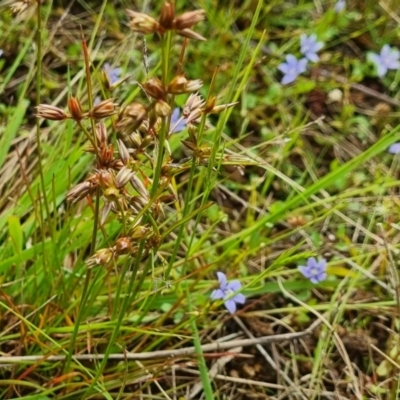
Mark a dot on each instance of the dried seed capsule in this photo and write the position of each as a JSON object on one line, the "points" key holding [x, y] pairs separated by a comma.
{"points": [[181, 85], [162, 109], [188, 33], [143, 23], [189, 19], [104, 109], [75, 108], [167, 15], [123, 245], [123, 177], [135, 111], [101, 257], [101, 134], [47, 111], [140, 232], [154, 88], [106, 179]]}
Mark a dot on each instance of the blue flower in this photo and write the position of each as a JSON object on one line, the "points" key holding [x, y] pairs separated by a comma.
{"points": [[113, 74], [225, 292], [292, 68], [394, 148], [315, 270], [339, 6], [178, 123], [309, 46], [388, 59]]}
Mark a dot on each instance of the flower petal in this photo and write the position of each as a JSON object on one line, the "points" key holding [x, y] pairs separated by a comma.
{"points": [[305, 271], [321, 265], [230, 306], [234, 286], [382, 70], [374, 58], [239, 298], [385, 51], [302, 66], [314, 280], [288, 78], [322, 276], [291, 60], [393, 64], [394, 148], [312, 56], [222, 280], [283, 68], [312, 262], [217, 294]]}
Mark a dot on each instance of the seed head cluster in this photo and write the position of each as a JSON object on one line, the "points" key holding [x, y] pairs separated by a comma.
{"points": [[129, 140]]}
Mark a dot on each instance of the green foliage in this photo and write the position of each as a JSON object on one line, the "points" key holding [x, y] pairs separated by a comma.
{"points": [[289, 172]]}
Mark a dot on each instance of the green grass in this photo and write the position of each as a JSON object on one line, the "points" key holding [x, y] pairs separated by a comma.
{"points": [[287, 173]]}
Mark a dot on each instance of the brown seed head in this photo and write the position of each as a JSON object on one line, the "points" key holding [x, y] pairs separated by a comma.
{"points": [[111, 194], [135, 111], [195, 101], [123, 245], [106, 156], [189, 19], [162, 109], [80, 191], [101, 134], [138, 185], [140, 232], [47, 111], [146, 141], [124, 176], [104, 109], [154, 88], [131, 117], [143, 23], [167, 15], [193, 108], [123, 152], [136, 139], [188, 33], [101, 257], [106, 179], [181, 85], [75, 108], [221, 107]]}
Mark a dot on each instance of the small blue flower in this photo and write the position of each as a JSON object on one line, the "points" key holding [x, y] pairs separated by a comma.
{"points": [[292, 68], [315, 270], [388, 59], [178, 123], [225, 292], [309, 46], [113, 74], [339, 6], [394, 148]]}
